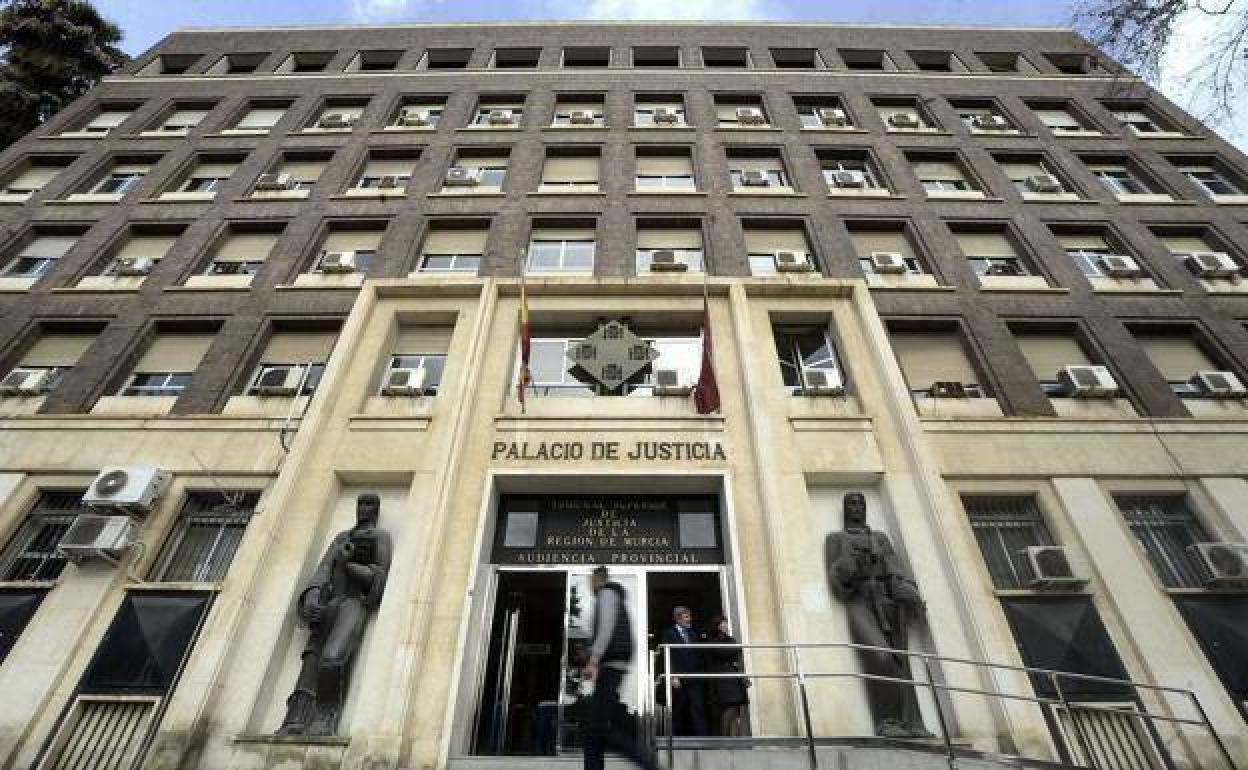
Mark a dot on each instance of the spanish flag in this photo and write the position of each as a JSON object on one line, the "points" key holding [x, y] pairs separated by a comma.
{"points": [[706, 392], [526, 347]]}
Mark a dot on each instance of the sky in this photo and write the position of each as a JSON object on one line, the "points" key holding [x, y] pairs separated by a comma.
{"points": [[145, 22]]}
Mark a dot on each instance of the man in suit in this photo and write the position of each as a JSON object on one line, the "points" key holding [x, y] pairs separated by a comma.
{"points": [[688, 695]]}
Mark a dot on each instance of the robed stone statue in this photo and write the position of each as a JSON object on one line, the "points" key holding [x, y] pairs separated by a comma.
{"points": [[335, 604], [880, 599]]}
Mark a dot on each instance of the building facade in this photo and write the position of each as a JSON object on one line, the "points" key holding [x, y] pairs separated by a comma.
{"points": [[978, 275]]}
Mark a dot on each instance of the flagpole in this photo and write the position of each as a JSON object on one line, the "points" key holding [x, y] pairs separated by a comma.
{"points": [[523, 383]]}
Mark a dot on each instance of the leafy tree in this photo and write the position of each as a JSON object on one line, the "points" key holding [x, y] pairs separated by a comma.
{"points": [[1145, 35], [51, 52]]}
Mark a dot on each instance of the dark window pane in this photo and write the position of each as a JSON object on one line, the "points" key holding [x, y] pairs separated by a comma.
{"points": [[206, 536], [1004, 526], [1066, 634], [146, 643], [32, 554], [16, 609], [1165, 528], [1220, 624]]}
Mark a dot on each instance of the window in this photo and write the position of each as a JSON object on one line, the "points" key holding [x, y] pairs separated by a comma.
{"points": [[1211, 179], [1004, 528], [499, 112], [447, 58], [170, 64], [726, 56], [1060, 118], [260, 118], [39, 255], [1065, 633], [33, 176], [740, 112], [16, 610], [422, 348], [375, 61], [659, 111], [1047, 352], [886, 238], [386, 173], [105, 121], [294, 176], [850, 174], [1178, 356], [208, 175], [656, 56], [754, 171], [1121, 180], [903, 115], [416, 113], [243, 251], [943, 176], [166, 366], [305, 63], [1220, 624], [1032, 177], [796, 58], [664, 171], [561, 250], [451, 248], [142, 243], [483, 171], [183, 118], [1164, 528], [123, 178], [237, 64], [516, 58], [864, 60], [982, 116], [822, 112], [552, 376], [570, 171], [31, 553], [362, 241], [205, 536], [1086, 250], [1183, 242], [683, 239], [1003, 61], [587, 56], [991, 253], [292, 362], [1141, 121], [936, 61], [764, 239], [144, 648], [337, 116], [573, 111], [54, 353], [929, 355], [1072, 63], [802, 349]]}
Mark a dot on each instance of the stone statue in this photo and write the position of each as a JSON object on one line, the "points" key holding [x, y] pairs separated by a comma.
{"points": [[347, 584], [880, 598]]}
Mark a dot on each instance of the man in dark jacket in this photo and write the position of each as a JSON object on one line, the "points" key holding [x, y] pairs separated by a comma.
{"points": [[609, 657], [688, 695]]}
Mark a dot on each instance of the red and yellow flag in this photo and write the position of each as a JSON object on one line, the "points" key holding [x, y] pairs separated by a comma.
{"points": [[526, 346], [706, 392]]}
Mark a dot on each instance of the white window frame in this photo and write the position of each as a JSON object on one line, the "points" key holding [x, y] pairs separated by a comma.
{"points": [[563, 255], [454, 268], [168, 387]]}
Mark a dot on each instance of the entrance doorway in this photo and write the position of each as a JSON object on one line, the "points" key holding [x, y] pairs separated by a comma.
{"points": [[533, 698]]}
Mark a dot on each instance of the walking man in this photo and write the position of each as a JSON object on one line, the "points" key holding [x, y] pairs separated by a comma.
{"points": [[609, 657]]}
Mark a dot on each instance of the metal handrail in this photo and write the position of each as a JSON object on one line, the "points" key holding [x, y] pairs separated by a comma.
{"points": [[800, 675]]}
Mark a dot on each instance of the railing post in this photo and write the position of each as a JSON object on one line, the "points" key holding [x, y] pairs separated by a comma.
{"points": [[940, 714], [671, 722], [1055, 678], [805, 701], [1226, 754]]}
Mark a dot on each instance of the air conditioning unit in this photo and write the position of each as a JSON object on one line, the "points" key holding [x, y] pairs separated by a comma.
{"points": [[94, 536], [275, 181], [666, 261], [666, 116], [667, 382], [502, 118], [462, 176], [27, 382], [1050, 566], [947, 389], [1222, 564], [388, 182], [1043, 183], [1120, 266], [133, 265], [750, 116], [581, 118], [793, 262], [833, 117], [1212, 264], [903, 120], [849, 178], [1004, 268], [1087, 381], [278, 381], [990, 122], [226, 268], [335, 120], [754, 178], [409, 117], [338, 262], [404, 382], [888, 262], [132, 488], [1220, 384], [822, 382]]}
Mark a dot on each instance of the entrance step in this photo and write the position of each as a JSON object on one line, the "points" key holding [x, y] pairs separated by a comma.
{"points": [[857, 757]]}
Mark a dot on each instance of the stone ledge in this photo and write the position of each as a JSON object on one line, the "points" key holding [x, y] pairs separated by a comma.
{"points": [[293, 740]]}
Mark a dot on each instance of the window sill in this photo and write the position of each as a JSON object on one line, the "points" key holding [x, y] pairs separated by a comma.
{"points": [[473, 129], [275, 195], [78, 135], [651, 193], [833, 130], [356, 194], [263, 406], [133, 406], [214, 283], [958, 408], [105, 283], [960, 195], [88, 198], [160, 135], [234, 133], [30, 585], [1103, 284], [350, 281], [764, 194], [1014, 593], [1147, 198], [1225, 285], [321, 131], [174, 585], [1013, 133], [182, 197], [677, 127], [595, 127], [1161, 135], [404, 130], [1026, 289], [905, 282], [14, 199], [755, 129], [919, 131], [870, 193], [1230, 200], [1062, 197], [468, 194], [17, 283], [565, 193]]}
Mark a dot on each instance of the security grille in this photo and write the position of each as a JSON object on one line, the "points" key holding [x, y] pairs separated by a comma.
{"points": [[32, 554], [102, 733], [207, 534], [1004, 527], [1165, 528], [1107, 740]]}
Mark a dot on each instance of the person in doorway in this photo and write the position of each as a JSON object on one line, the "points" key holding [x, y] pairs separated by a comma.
{"points": [[688, 694], [728, 695], [609, 657]]}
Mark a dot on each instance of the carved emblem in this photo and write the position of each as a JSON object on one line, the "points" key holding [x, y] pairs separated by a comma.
{"points": [[611, 356]]}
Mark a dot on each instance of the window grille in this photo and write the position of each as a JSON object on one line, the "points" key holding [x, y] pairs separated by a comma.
{"points": [[207, 534], [1165, 527], [1004, 526], [31, 554]]}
